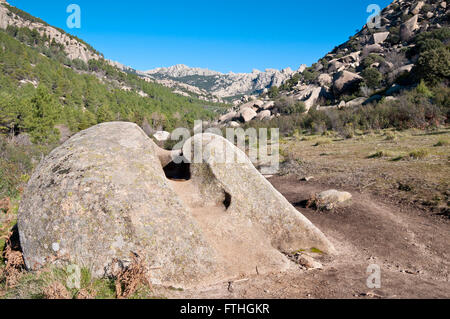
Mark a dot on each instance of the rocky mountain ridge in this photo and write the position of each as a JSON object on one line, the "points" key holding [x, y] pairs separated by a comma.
{"points": [[373, 61], [230, 85], [410, 45]]}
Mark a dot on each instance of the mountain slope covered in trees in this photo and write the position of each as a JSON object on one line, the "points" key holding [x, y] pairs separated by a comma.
{"points": [[40, 87]]}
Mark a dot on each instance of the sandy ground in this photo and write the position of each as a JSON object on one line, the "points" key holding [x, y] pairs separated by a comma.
{"points": [[410, 246]]}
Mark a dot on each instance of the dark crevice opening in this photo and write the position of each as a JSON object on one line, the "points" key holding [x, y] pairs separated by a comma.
{"points": [[13, 241], [180, 172], [227, 201]]}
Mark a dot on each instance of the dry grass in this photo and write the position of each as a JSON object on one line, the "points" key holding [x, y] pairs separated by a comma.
{"points": [[129, 278], [378, 164], [57, 291], [419, 154], [14, 265]]}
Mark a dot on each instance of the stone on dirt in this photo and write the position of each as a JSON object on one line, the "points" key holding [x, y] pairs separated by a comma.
{"points": [[330, 198]]}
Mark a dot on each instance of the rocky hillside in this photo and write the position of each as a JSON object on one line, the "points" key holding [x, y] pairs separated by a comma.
{"points": [[230, 85], [411, 45]]}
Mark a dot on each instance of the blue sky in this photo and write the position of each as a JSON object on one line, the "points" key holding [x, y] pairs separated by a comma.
{"points": [[220, 35]]}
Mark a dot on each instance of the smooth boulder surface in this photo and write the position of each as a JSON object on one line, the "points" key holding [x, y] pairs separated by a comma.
{"points": [[103, 195], [330, 198]]}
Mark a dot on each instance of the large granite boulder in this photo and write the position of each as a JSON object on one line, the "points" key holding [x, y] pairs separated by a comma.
{"points": [[407, 29], [110, 191], [248, 114], [345, 80], [103, 195], [379, 37], [325, 79]]}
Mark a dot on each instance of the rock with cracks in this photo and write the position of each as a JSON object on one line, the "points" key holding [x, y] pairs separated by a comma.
{"points": [[110, 192]]}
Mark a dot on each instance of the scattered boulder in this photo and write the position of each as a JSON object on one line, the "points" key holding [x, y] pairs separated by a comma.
{"points": [[258, 103], [406, 68], [325, 79], [302, 68], [372, 48], [407, 29], [308, 262], [329, 199], [334, 65], [251, 105], [309, 95], [351, 58], [311, 100], [247, 114], [161, 136], [228, 117], [344, 80], [234, 124], [418, 7], [380, 37], [264, 114], [341, 105], [268, 105], [373, 98]]}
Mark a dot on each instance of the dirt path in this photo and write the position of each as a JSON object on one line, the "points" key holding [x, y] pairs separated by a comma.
{"points": [[410, 246]]}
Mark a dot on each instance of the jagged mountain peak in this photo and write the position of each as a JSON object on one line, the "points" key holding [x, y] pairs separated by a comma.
{"points": [[180, 70], [229, 85]]}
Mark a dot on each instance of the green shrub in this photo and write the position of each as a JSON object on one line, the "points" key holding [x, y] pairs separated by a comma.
{"points": [[419, 154], [433, 66], [274, 92]]}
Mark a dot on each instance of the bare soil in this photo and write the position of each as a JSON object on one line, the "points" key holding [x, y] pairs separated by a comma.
{"points": [[410, 246]]}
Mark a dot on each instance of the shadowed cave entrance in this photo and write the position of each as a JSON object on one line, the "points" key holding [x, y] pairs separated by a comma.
{"points": [[181, 173], [178, 172]]}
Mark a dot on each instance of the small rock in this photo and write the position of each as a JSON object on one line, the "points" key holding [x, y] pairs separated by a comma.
{"points": [[161, 136], [228, 117], [329, 199], [248, 114], [308, 262]]}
